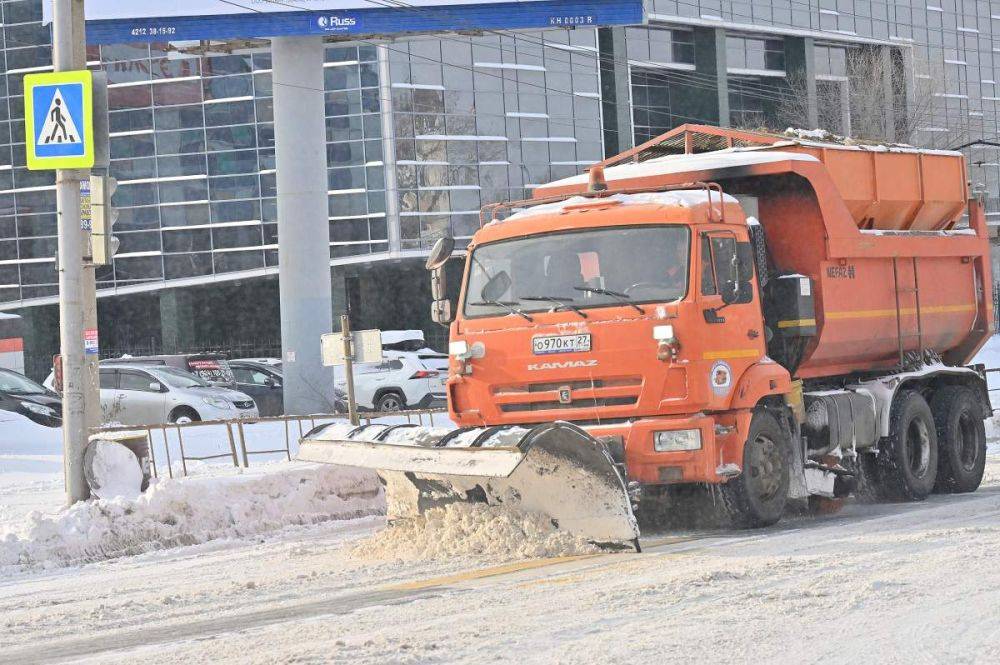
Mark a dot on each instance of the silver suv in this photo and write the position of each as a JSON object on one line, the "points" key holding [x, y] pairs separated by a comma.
{"points": [[142, 394]]}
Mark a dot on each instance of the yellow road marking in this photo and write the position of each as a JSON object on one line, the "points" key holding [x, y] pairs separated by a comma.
{"points": [[796, 323], [469, 575], [529, 564], [731, 353], [877, 313]]}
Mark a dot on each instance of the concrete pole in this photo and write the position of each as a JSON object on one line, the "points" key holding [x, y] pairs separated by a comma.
{"points": [[303, 221], [91, 383], [389, 150], [71, 287]]}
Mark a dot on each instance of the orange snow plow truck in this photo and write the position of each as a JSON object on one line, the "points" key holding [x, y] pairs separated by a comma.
{"points": [[774, 318]]}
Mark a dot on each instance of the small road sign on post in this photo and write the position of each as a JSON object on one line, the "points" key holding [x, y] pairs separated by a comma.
{"points": [[346, 348], [59, 120]]}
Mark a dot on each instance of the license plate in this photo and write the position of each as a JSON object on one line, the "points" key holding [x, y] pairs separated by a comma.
{"points": [[560, 344]]}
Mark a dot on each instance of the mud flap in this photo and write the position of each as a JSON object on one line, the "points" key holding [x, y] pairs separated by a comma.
{"points": [[554, 469]]}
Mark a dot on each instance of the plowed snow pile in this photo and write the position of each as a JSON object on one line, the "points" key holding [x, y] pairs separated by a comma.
{"points": [[188, 511], [471, 529]]}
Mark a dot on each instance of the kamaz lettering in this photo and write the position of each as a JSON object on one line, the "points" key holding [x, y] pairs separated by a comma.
{"points": [[569, 364]]}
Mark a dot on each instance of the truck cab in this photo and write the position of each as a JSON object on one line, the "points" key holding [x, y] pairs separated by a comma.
{"points": [[636, 316]]}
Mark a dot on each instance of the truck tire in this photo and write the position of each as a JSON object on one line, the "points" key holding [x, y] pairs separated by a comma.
{"points": [[757, 497], [908, 459], [961, 437]]}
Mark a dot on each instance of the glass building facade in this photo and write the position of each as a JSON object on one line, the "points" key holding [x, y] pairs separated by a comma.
{"points": [[423, 131]]}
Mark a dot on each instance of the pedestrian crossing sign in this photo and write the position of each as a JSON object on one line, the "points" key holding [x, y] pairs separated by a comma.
{"points": [[58, 120]]}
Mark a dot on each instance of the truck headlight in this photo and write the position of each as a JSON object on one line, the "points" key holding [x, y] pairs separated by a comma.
{"points": [[681, 439], [458, 348]]}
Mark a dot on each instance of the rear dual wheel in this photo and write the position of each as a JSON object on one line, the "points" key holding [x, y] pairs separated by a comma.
{"points": [[961, 436], [907, 464]]}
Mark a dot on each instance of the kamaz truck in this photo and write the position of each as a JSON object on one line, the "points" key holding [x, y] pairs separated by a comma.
{"points": [[770, 317]]}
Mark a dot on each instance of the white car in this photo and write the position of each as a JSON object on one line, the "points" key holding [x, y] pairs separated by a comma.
{"points": [[403, 380], [141, 394]]}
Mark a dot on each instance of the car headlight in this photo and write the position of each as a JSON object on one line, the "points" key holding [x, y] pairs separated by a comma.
{"points": [[217, 402], [681, 439], [39, 409]]}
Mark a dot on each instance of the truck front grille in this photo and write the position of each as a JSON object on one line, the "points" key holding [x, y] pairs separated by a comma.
{"points": [[583, 394]]}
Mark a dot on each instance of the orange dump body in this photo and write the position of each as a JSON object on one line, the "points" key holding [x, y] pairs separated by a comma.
{"points": [[883, 186]]}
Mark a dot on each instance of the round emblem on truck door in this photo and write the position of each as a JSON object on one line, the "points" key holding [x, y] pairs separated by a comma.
{"points": [[721, 378]]}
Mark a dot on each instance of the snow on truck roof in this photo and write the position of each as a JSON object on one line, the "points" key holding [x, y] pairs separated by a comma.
{"points": [[670, 164], [680, 198]]}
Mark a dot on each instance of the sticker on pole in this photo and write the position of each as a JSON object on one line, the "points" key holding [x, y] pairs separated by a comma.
{"points": [[90, 341], [58, 120]]}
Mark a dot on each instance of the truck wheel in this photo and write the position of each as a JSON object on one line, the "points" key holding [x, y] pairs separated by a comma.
{"points": [[961, 437], [757, 497], [909, 457]]}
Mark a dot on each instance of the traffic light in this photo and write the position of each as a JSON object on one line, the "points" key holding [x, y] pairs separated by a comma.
{"points": [[103, 245]]}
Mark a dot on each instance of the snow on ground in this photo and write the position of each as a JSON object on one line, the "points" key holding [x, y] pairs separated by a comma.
{"points": [[188, 511], [900, 583]]}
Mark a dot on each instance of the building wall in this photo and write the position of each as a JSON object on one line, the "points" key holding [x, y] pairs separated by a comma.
{"points": [[460, 121]]}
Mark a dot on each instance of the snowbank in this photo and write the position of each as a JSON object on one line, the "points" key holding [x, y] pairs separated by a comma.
{"points": [[189, 511], [471, 529]]}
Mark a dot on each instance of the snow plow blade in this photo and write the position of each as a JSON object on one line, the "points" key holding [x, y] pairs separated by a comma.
{"points": [[555, 469]]}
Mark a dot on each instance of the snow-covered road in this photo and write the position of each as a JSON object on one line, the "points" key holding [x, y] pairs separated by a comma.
{"points": [[908, 582]]}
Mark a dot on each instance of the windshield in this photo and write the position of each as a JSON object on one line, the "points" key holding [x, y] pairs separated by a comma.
{"points": [[178, 378], [19, 385], [621, 264]]}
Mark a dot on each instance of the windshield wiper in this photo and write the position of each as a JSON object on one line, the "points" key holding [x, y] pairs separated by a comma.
{"points": [[563, 302], [509, 306], [623, 298]]}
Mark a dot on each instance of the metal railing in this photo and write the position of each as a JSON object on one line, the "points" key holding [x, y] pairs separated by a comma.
{"points": [[235, 443]]}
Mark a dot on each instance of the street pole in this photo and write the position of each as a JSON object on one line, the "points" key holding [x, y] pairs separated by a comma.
{"points": [[345, 334], [71, 281], [304, 283]]}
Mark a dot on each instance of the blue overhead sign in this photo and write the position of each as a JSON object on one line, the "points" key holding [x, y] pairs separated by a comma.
{"points": [[114, 21]]}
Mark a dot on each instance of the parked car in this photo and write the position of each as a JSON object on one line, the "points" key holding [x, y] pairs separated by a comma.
{"points": [[211, 367], [21, 395], [412, 341], [144, 394], [401, 381], [262, 381]]}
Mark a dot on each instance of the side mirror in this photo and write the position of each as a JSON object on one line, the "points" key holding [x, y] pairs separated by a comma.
{"points": [[496, 287], [441, 312], [156, 387], [439, 287], [441, 252]]}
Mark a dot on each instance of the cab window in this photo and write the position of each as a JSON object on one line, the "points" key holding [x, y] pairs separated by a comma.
{"points": [[708, 284]]}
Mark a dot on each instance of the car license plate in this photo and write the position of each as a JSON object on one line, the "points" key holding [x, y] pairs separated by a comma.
{"points": [[560, 344]]}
